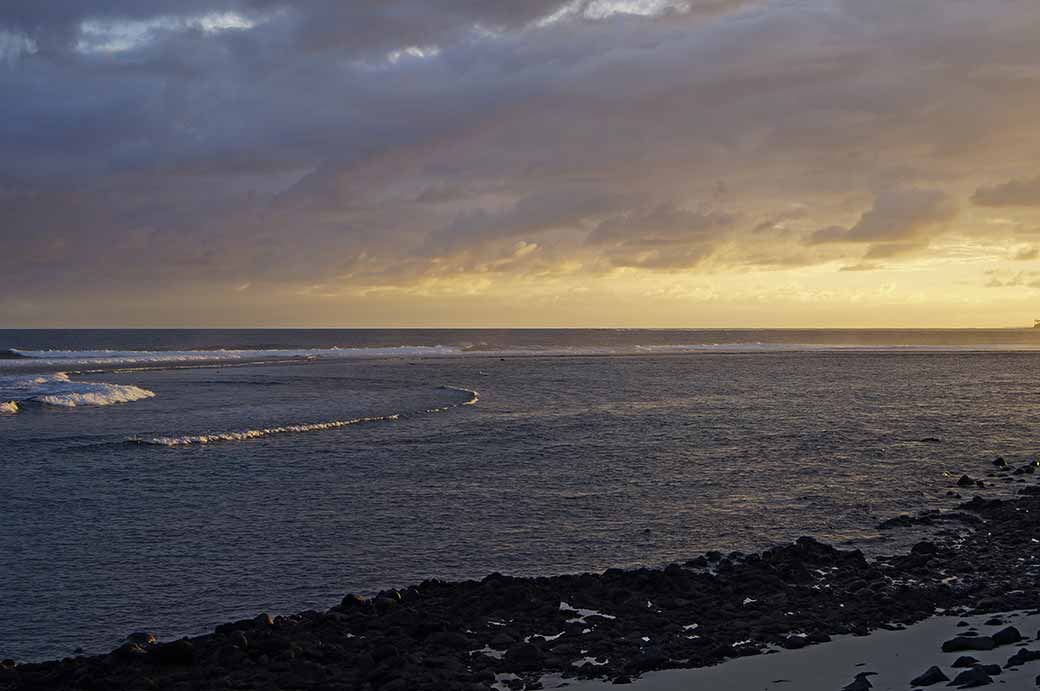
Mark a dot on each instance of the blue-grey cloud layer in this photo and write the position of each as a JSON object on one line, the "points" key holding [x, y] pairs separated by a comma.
{"points": [[317, 144]]}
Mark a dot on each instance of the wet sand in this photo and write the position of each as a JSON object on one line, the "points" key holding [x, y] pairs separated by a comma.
{"points": [[896, 656]]}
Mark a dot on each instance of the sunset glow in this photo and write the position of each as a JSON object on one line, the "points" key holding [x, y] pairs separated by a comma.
{"points": [[830, 163]]}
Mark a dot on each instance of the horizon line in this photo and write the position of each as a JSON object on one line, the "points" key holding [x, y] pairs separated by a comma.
{"points": [[518, 328]]}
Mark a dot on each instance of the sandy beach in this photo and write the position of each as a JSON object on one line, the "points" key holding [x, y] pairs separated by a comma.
{"points": [[892, 659]]}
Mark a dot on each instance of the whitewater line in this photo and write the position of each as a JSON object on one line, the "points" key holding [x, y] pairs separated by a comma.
{"points": [[189, 440], [474, 396], [244, 435]]}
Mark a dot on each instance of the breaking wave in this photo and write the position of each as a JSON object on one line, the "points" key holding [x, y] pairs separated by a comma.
{"points": [[91, 360], [8, 407], [473, 395], [115, 358], [59, 390], [245, 435], [190, 439]]}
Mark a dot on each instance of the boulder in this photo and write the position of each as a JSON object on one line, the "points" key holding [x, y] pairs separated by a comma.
{"points": [[180, 652], [1023, 656], [924, 548], [524, 656], [971, 678], [960, 643], [128, 651], [142, 638], [385, 604], [933, 676], [353, 601], [1007, 636], [860, 683]]}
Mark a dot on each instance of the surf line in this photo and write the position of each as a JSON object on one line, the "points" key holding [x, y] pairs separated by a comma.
{"points": [[244, 435]]}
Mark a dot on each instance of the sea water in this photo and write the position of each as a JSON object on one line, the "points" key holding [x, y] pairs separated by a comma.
{"points": [[173, 480]]}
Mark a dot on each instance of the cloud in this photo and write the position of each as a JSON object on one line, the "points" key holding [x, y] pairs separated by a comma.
{"points": [[322, 147], [14, 45], [1019, 279], [1011, 193], [664, 236], [895, 217], [779, 220]]}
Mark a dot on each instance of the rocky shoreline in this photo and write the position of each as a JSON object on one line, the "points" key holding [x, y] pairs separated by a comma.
{"points": [[615, 625]]}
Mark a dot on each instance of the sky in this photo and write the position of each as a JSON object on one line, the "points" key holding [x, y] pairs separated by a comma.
{"points": [[468, 163]]}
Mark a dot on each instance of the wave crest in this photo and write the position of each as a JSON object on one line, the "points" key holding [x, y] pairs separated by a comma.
{"points": [[59, 390], [188, 440], [117, 358], [473, 395], [245, 435], [8, 407]]}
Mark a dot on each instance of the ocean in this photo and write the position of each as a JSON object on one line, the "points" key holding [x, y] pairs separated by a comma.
{"points": [[170, 480]]}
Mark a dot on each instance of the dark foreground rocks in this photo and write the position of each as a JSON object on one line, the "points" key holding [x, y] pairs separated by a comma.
{"points": [[614, 625], [934, 675]]}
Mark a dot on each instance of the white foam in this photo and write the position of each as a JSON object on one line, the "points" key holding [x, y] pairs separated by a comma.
{"points": [[474, 396], [8, 407], [115, 358], [69, 359], [245, 435], [188, 440], [59, 390], [756, 347]]}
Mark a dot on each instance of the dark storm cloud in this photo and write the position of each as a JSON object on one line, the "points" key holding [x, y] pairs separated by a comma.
{"points": [[1011, 193], [533, 214], [663, 236], [319, 142], [897, 219]]}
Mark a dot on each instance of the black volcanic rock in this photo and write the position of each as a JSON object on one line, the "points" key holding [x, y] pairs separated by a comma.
{"points": [[352, 601], [1007, 636], [180, 652], [1023, 656], [968, 643], [524, 657], [934, 675], [861, 682], [441, 635], [141, 638], [971, 678], [924, 548]]}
